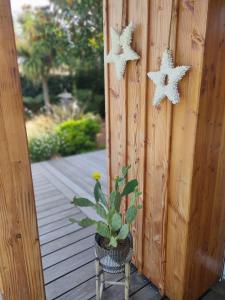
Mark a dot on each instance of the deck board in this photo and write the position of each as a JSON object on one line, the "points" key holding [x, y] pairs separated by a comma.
{"points": [[67, 250]]}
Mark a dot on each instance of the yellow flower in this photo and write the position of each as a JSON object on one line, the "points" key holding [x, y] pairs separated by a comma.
{"points": [[96, 175]]}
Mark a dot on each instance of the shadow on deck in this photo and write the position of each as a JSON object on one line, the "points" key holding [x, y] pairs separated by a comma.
{"points": [[67, 250]]}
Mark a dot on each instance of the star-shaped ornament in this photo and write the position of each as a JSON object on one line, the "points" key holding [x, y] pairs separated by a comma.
{"points": [[121, 51], [167, 79]]}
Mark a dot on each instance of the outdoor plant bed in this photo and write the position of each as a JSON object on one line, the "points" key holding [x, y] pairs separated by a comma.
{"points": [[113, 240]]}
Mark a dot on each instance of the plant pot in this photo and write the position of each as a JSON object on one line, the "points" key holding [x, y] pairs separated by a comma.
{"points": [[113, 260]]}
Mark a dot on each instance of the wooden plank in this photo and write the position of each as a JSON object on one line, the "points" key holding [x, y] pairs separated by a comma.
{"points": [[136, 111], [58, 224], [116, 91], [59, 232], [66, 240], [197, 178], [20, 264], [68, 251], [55, 210], [157, 159], [148, 292], [61, 215], [69, 265], [69, 281]]}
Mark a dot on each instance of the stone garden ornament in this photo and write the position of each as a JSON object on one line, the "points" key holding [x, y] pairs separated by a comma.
{"points": [[121, 50], [167, 79]]}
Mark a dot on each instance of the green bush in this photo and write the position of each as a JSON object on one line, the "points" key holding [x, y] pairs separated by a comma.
{"points": [[77, 136], [43, 147]]}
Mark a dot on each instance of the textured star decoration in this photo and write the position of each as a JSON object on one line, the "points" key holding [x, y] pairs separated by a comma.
{"points": [[121, 51], [166, 80]]}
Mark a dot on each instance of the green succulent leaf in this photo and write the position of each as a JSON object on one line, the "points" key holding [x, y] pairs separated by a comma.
{"points": [[116, 222], [121, 181], [123, 233], [125, 170], [110, 215], [99, 195], [82, 202], [96, 191], [134, 197], [103, 229], [101, 210], [131, 214], [113, 242], [130, 187], [115, 200], [139, 206], [84, 222]]}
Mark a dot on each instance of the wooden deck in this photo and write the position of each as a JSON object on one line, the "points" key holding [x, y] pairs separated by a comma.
{"points": [[67, 250]]}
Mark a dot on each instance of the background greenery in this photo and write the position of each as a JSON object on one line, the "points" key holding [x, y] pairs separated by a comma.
{"points": [[60, 47]]}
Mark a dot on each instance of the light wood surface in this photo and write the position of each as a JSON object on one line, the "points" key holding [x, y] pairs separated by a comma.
{"points": [[177, 153], [20, 263]]}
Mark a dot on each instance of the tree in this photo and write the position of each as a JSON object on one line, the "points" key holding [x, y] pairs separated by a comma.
{"points": [[42, 45], [83, 21]]}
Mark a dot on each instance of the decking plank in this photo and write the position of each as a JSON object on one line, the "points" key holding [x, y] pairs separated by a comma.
{"points": [[58, 224], [66, 240], [68, 265], [62, 214], [68, 251]]}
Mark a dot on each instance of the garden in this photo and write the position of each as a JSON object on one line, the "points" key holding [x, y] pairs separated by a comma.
{"points": [[60, 54]]}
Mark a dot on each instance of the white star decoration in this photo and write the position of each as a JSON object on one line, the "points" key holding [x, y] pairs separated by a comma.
{"points": [[166, 80], [121, 50]]}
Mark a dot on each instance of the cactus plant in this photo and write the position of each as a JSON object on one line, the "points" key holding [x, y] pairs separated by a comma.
{"points": [[112, 226]]}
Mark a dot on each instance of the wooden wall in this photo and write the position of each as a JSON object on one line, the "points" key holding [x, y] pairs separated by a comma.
{"points": [[176, 152], [20, 263]]}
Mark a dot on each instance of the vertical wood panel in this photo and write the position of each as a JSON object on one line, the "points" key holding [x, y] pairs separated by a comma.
{"points": [[205, 243], [158, 132], [189, 51], [137, 109], [20, 262], [117, 14]]}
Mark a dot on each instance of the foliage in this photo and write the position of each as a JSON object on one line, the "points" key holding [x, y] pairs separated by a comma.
{"points": [[77, 136], [112, 227], [44, 147], [83, 23], [42, 45], [56, 83], [39, 126]]}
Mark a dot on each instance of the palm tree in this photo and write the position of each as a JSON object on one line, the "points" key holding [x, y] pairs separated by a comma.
{"points": [[41, 46]]}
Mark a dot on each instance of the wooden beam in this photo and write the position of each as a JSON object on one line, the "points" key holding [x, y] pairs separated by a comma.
{"points": [[196, 219], [20, 262]]}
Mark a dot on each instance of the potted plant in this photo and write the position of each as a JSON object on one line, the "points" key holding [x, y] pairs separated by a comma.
{"points": [[113, 240]]}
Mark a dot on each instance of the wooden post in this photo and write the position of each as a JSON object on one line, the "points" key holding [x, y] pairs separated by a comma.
{"points": [[20, 262], [177, 152]]}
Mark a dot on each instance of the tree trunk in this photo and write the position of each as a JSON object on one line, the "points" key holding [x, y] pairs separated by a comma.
{"points": [[46, 93]]}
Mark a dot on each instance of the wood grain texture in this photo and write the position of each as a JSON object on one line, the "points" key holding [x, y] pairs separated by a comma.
{"points": [[136, 112], [20, 263], [177, 153]]}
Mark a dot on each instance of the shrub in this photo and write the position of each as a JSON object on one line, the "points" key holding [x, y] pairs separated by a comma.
{"points": [[43, 147], [40, 125], [77, 136]]}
